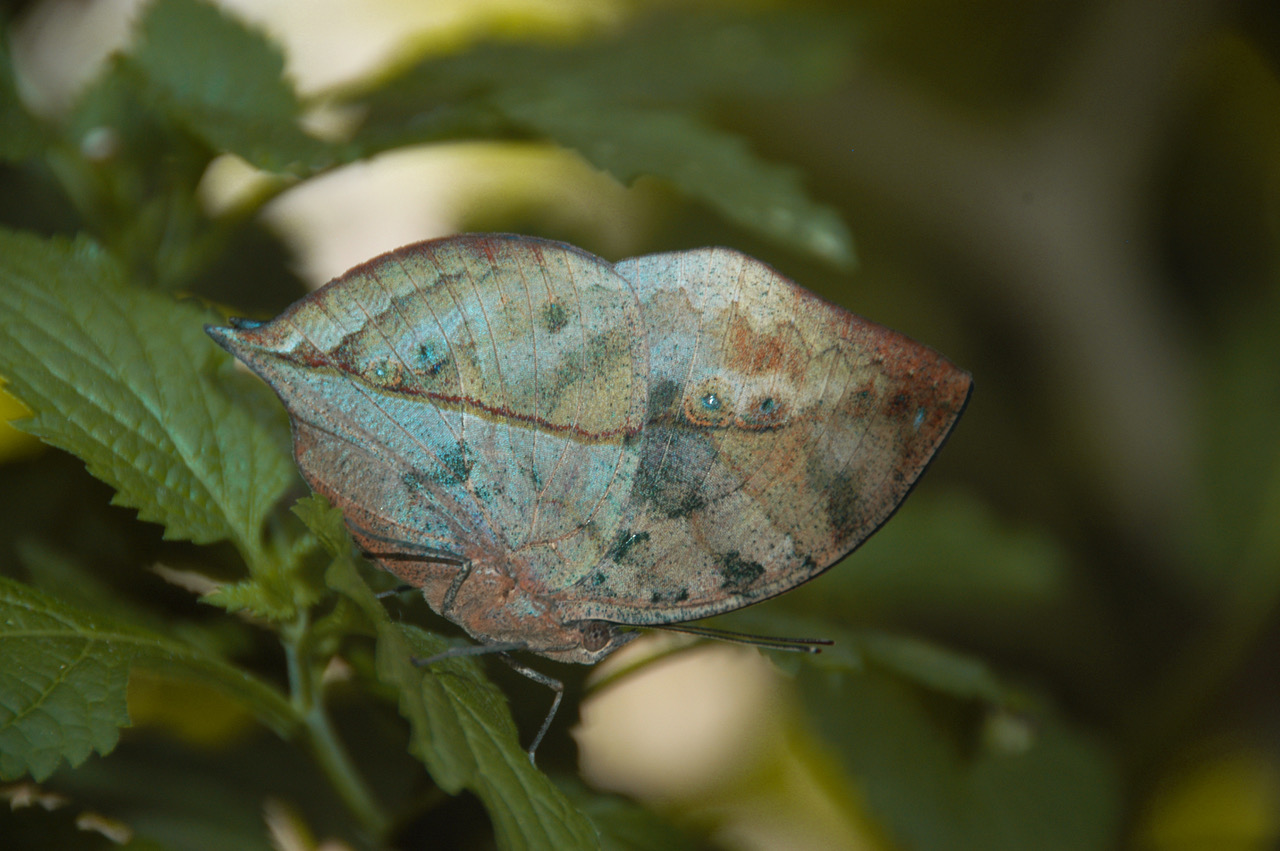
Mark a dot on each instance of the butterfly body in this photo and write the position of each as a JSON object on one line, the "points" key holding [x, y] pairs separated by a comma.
{"points": [[553, 447]]}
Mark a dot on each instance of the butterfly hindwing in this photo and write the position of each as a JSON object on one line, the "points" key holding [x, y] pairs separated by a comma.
{"points": [[781, 431]]}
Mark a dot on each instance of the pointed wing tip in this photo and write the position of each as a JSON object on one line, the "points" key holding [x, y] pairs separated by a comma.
{"points": [[236, 339], [220, 333], [968, 392], [227, 337], [960, 387]]}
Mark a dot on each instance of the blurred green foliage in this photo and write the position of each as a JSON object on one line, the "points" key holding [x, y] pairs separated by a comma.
{"points": [[1068, 639]]}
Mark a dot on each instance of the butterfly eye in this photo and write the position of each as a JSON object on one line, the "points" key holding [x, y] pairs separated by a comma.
{"points": [[767, 411], [596, 635], [709, 404], [384, 372]]}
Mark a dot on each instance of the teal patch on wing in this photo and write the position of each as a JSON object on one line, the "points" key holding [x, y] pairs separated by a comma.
{"points": [[507, 374], [626, 540]]}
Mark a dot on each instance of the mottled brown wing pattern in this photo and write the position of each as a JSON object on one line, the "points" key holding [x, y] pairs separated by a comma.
{"points": [[781, 431]]}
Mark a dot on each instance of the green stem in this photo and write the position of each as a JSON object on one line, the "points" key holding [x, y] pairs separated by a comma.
{"points": [[342, 773], [323, 739]]}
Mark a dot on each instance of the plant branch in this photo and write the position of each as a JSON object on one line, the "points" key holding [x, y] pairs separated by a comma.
{"points": [[321, 736]]}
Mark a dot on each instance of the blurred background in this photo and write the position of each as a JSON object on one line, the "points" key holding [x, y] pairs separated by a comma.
{"points": [[1068, 636]]}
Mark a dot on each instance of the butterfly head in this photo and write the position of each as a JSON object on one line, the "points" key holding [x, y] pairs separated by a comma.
{"points": [[596, 640]]}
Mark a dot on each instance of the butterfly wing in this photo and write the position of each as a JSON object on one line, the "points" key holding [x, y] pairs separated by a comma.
{"points": [[476, 393], [780, 432], [668, 438]]}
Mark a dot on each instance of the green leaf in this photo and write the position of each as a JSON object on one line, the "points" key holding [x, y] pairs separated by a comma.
{"points": [[467, 723], [937, 777], [693, 55], [62, 687], [625, 825], [226, 82], [676, 58], [288, 580], [949, 562], [462, 727], [635, 105], [923, 663], [123, 378], [707, 164], [325, 522], [254, 597], [208, 798], [926, 664], [64, 673]]}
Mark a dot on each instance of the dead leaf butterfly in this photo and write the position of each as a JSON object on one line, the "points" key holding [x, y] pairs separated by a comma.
{"points": [[557, 449]]}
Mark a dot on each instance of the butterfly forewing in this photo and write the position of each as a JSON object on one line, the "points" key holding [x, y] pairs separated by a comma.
{"points": [[477, 392], [781, 432]]}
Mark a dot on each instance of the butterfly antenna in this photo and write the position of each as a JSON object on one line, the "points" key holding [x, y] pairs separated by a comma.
{"points": [[769, 642]]}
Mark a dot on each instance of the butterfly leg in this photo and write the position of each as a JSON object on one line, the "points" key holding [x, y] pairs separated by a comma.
{"points": [[464, 570], [551, 683]]}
